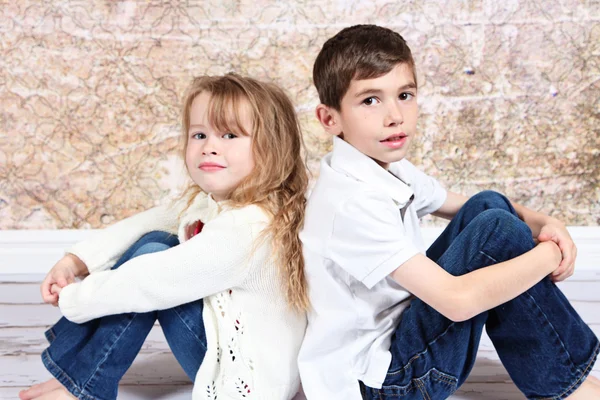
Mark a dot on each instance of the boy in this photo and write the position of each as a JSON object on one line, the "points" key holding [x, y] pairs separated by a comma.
{"points": [[386, 320]]}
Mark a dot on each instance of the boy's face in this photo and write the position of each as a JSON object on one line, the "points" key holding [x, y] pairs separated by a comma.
{"points": [[377, 116]]}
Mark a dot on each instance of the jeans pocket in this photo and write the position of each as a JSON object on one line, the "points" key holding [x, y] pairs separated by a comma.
{"points": [[431, 386]]}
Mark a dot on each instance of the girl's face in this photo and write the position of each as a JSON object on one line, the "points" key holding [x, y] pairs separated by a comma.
{"points": [[217, 161]]}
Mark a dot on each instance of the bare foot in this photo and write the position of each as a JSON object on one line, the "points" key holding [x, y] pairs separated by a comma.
{"points": [[58, 394], [587, 391], [594, 380], [39, 389]]}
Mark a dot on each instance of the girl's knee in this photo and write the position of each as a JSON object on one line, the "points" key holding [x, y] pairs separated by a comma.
{"points": [[160, 237], [151, 247]]}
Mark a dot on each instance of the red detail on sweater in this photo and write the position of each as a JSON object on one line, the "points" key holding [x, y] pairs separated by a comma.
{"points": [[198, 229]]}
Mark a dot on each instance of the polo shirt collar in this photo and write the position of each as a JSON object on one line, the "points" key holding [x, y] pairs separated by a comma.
{"points": [[348, 160]]}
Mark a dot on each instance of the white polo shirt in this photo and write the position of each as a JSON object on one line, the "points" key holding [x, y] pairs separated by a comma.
{"points": [[362, 222]]}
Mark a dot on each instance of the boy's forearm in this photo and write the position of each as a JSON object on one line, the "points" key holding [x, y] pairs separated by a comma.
{"points": [[489, 287], [535, 220]]}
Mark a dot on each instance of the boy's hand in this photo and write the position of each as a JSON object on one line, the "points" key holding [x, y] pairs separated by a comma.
{"points": [[557, 232], [62, 274]]}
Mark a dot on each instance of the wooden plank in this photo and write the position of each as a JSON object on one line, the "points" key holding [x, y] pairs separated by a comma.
{"points": [[495, 391], [19, 341], [127, 392], [28, 315], [472, 390], [20, 293], [148, 369]]}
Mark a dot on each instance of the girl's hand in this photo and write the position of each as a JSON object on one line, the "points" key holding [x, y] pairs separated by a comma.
{"points": [[55, 289], [557, 233], [62, 274]]}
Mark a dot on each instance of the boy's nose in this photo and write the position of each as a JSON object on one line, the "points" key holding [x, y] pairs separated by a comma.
{"points": [[394, 116]]}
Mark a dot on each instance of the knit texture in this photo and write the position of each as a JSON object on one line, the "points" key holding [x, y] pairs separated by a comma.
{"points": [[253, 336]]}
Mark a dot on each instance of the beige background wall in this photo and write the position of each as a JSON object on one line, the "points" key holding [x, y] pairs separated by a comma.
{"points": [[90, 93]]}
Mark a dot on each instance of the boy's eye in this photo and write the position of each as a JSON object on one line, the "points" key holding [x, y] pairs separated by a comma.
{"points": [[229, 136], [369, 101], [198, 136], [406, 96]]}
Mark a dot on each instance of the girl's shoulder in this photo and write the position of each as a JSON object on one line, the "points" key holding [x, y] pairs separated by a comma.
{"points": [[249, 214]]}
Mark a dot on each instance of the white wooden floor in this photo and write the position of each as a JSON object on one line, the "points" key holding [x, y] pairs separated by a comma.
{"points": [[156, 374]]}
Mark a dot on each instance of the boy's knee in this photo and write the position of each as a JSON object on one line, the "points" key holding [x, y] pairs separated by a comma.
{"points": [[490, 199], [508, 232]]}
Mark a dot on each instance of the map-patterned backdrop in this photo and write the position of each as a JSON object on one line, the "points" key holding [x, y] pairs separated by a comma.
{"points": [[90, 95]]}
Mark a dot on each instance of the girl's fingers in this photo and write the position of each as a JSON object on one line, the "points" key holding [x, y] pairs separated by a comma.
{"points": [[56, 289]]}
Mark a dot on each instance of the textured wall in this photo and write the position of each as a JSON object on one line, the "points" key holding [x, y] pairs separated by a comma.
{"points": [[90, 93]]}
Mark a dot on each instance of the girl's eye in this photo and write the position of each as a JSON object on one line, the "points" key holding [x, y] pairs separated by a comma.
{"points": [[198, 136], [229, 136], [369, 101], [406, 96]]}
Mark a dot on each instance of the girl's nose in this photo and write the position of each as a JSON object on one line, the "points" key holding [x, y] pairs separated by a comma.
{"points": [[210, 146]]}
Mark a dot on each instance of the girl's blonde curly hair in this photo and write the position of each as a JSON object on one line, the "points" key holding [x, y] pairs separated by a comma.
{"points": [[279, 180]]}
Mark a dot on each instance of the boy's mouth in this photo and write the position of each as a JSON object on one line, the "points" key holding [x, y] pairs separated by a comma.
{"points": [[395, 141], [394, 138]]}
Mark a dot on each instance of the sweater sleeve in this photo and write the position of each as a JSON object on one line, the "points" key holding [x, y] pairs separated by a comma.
{"points": [[101, 251], [212, 261]]}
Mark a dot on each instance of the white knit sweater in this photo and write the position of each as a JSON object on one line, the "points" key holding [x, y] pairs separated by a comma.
{"points": [[253, 337]]}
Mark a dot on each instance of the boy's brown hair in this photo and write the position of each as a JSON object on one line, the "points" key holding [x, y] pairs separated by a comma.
{"points": [[357, 52]]}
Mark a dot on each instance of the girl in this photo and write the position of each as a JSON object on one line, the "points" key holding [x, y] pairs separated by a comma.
{"points": [[231, 297]]}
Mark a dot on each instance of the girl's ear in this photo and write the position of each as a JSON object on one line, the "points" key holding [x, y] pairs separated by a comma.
{"points": [[329, 119]]}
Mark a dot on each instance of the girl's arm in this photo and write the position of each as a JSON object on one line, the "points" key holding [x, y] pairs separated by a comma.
{"points": [[102, 250], [217, 259], [460, 298]]}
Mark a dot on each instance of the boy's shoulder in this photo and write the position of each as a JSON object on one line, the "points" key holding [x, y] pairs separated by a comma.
{"points": [[336, 194]]}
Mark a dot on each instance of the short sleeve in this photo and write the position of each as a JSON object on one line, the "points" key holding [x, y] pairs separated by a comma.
{"points": [[430, 195], [368, 239]]}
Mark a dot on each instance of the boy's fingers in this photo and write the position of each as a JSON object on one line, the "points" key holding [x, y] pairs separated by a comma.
{"points": [[563, 276], [62, 282]]}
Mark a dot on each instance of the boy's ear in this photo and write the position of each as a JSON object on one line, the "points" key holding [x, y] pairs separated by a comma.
{"points": [[329, 119]]}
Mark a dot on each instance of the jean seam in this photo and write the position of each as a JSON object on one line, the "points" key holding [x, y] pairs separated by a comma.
{"points": [[423, 390], [554, 330], [50, 335], [93, 375], [442, 377], [419, 354], [577, 382], [190, 329], [60, 375]]}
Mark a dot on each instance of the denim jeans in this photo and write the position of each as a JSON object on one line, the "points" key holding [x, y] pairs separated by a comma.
{"points": [[542, 342], [90, 359]]}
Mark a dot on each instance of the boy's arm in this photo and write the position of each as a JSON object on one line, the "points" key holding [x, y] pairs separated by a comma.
{"points": [[459, 298], [543, 228], [451, 206]]}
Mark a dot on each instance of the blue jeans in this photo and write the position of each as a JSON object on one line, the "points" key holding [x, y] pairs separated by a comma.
{"points": [[90, 359], [542, 342]]}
